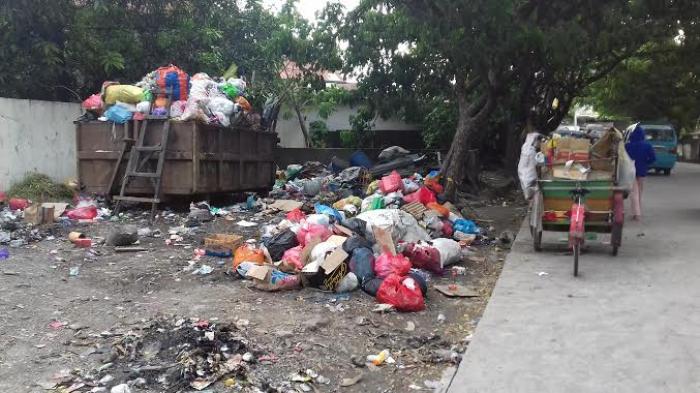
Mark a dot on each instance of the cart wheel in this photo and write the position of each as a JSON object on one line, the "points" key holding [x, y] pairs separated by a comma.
{"points": [[536, 239], [577, 252]]}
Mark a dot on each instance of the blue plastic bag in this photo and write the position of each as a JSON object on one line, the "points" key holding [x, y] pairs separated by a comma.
{"points": [[466, 226], [329, 211], [118, 114]]}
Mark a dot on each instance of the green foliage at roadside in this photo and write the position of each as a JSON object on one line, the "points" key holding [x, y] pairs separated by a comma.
{"points": [[39, 187]]}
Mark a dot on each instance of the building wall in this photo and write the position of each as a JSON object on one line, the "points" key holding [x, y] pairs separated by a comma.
{"points": [[290, 133], [37, 136]]}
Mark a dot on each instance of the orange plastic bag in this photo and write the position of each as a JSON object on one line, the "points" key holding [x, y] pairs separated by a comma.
{"points": [[441, 210], [248, 253], [434, 185], [245, 105]]}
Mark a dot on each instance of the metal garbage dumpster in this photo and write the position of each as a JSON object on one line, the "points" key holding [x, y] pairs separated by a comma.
{"points": [[199, 159]]}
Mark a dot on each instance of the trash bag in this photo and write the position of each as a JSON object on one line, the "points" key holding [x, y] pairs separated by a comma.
{"points": [[433, 185], [371, 285], [450, 251], [441, 210], [466, 226], [296, 215], [527, 166], [93, 103], [118, 114], [372, 202], [318, 219], [401, 292], [391, 183], [279, 281], [279, 243], [362, 264], [392, 152], [310, 231], [329, 211], [422, 277], [423, 256], [393, 199], [423, 195], [351, 200], [248, 253], [354, 242], [171, 78], [447, 228], [360, 159], [356, 225], [372, 187], [245, 105], [221, 105], [403, 225], [321, 251], [387, 264], [292, 257], [88, 212], [626, 172], [409, 186], [348, 284], [124, 93]]}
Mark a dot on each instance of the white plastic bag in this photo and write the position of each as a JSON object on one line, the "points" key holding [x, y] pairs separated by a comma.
{"points": [[527, 166], [404, 226], [450, 251], [626, 171]]}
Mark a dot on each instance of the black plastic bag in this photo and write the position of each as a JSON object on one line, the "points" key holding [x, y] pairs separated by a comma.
{"points": [[356, 225], [371, 286], [354, 242], [362, 264], [280, 243]]}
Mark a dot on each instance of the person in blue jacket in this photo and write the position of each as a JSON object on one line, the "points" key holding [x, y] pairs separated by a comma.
{"points": [[643, 155]]}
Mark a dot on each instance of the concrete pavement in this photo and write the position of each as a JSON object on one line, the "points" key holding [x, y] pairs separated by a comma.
{"points": [[626, 324]]}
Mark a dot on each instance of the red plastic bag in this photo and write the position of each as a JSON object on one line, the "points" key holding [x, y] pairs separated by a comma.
{"points": [[447, 228], [387, 264], [292, 257], [401, 292], [423, 195], [82, 213], [248, 253], [296, 215], [18, 203], [93, 103], [310, 231], [391, 183], [434, 185], [423, 256]]}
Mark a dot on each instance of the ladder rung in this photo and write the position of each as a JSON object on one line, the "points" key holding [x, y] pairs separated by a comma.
{"points": [[143, 174], [135, 199], [148, 148]]}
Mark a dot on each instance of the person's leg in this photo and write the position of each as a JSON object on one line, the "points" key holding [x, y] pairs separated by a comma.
{"points": [[640, 186], [635, 196]]}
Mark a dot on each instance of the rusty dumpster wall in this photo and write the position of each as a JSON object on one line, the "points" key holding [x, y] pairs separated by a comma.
{"points": [[200, 159]]}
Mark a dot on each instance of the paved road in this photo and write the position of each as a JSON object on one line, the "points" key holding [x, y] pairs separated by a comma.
{"points": [[626, 324]]}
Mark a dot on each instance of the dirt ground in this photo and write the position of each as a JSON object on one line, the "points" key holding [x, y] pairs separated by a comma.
{"points": [[331, 334]]}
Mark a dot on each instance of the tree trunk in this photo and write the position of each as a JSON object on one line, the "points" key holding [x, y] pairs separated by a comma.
{"points": [[302, 125], [462, 165]]}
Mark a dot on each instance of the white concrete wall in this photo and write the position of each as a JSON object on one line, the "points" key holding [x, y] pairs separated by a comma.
{"points": [[37, 136], [290, 133]]}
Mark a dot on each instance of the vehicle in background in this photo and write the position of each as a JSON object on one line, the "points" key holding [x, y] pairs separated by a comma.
{"points": [[595, 131], [664, 140], [570, 131]]}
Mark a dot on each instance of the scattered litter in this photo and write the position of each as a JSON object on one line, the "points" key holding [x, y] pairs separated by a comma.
{"points": [[246, 224], [456, 290], [542, 274]]}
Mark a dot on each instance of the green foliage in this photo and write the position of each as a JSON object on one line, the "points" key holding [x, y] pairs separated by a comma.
{"points": [[440, 124], [39, 187], [319, 133]]}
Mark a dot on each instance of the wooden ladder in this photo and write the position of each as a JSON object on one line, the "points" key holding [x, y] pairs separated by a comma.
{"points": [[139, 157]]}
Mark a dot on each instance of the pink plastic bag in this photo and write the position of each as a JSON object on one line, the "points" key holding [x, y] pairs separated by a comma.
{"points": [[423, 256], [310, 231], [296, 215], [292, 257], [423, 195], [401, 292], [391, 183], [82, 213], [387, 264], [93, 103]]}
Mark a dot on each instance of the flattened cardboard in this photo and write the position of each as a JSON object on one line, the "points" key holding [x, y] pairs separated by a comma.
{"points": [[336, 240], [286, 205], [334, 260], [259, 272], [456, 291]]}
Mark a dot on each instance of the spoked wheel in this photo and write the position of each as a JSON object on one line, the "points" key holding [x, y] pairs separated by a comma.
{"points": [[577, 252]]}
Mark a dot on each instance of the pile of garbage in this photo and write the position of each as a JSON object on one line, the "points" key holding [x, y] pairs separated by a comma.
{"points": [[340, 233], [171, 92]]}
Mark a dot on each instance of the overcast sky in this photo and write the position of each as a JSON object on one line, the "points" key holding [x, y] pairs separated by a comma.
{"points": [[308, 8]]}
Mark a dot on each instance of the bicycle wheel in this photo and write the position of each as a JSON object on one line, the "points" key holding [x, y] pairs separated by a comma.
{"points": [[577, 252]]}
